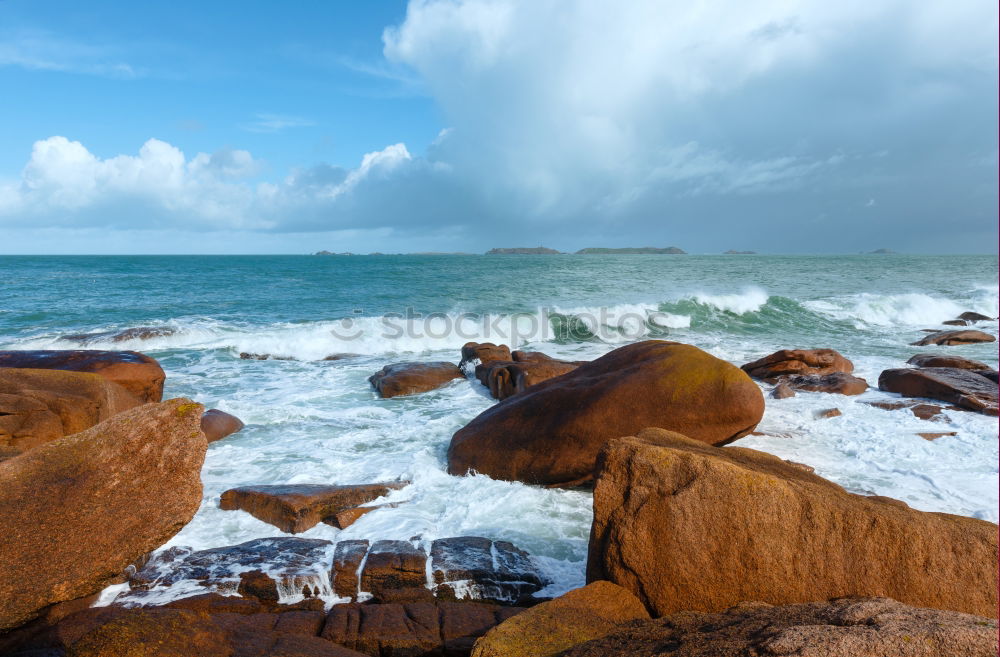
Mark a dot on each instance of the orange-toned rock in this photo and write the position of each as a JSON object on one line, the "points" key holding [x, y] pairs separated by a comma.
{"points": [[549, 628], [216, 424], [78, 510], [551, 433], [137, 373], [485, 352], [412, 378], [951, 338], [690, 527], [946, 360], [964, 388], [505, 378], [849, 627], [415, 628], [37, 406], [294, 508], [798, 361]]}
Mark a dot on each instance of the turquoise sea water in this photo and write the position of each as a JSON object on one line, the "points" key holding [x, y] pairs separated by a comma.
{"points": [[316, 421]]}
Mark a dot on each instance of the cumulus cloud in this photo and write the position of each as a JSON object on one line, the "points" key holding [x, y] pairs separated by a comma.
{"points": [[606, 122]]}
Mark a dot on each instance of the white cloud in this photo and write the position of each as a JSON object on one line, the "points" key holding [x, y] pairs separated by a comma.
{"points": [[645, 121]]}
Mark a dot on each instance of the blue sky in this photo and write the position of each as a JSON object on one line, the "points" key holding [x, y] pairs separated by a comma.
{"points": [[465, 124]]}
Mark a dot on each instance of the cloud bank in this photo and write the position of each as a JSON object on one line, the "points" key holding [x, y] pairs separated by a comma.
{"points": [[772, 125]]}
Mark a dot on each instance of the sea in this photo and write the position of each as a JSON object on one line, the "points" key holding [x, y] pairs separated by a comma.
{"points": [[317, 421]]}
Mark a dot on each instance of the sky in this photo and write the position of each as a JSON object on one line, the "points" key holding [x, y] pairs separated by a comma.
{"points": [[462, 125]]}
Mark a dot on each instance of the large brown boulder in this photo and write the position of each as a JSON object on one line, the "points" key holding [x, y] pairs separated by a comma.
{"points": [[688, 526], [78, 510], [412, 378], [37, 406], [848, 627], [951, 338], [798, 361], [137, 373], [964, 388], [549, 628], [551, 433], [485, 352], [294, 508]]}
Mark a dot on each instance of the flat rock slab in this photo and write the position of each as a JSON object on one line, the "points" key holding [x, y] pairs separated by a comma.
{"points": [[951, 338], [858, 627], [412, 629], [293, 563], [137, 373], [946, 360], [963, 388], [294, 508], [412, 378], [460, 568]]}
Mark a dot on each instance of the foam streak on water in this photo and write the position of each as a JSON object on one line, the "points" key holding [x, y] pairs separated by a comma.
{"points": [[315, 421]]}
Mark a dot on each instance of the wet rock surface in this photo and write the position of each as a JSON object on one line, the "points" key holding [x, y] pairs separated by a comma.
{"points": [[484, 353], [216, 424], [851, 627], [412, 378], [964, 388], [836, 383], [528, 368], [294, 508]]}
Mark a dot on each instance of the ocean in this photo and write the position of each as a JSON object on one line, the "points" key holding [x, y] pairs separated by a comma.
{"points": [[311, 420]]}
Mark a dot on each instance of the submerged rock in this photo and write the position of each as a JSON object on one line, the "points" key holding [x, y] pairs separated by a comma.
{"points": [[216, 424], [964, 388], [836, 383], [298, 567], [782, 391], [412, 378], [294, 508], [798, 361], [736, 524], [38, 406], [77, 511], [848, 627], [137, 333], [827, 413], [137, 373], [549, 628], [951, 338], [460, 568], [551, 433]]}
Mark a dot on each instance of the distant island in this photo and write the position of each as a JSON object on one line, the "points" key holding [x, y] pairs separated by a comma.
{"points": [[882, 252], [670, 250], [732, 252], [536, 250], [346, 253]]}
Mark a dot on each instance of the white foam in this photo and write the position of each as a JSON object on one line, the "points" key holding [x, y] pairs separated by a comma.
{"points": [[911, 309], [748, 300]]}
